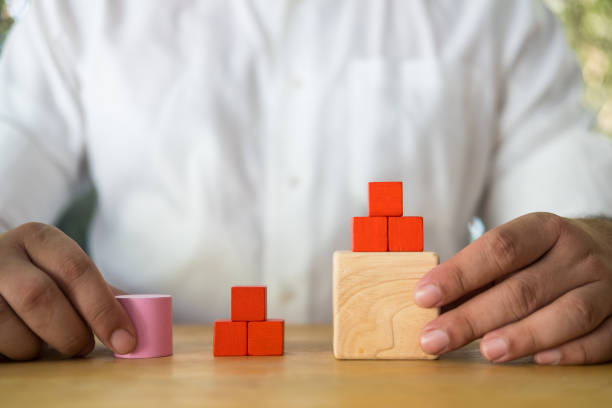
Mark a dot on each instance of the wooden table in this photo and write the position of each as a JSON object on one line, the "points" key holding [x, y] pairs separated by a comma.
{"points": [[307, 375]]}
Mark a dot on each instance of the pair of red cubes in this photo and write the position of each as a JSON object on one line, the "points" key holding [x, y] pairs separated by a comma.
{"points": [[385, 229], [249, 332]]}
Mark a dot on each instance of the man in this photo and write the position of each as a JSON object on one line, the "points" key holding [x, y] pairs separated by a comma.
{"points": [[231, 142]]}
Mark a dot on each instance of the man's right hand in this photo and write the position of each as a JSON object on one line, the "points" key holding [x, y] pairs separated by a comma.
{"points": [[51, 292]]}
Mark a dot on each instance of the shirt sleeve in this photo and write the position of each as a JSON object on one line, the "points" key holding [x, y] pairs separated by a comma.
{"points": [[41, 145], [546, 157]]}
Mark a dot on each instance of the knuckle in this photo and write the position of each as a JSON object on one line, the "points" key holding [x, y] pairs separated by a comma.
{"points": [[551, 221], [469, 330], [595, 265], [582, 353], [461, 281], [37, 295], [36, 230], [585, 314], [75, 267], [530, 340], [522, 296], [73, 344], [102, 314], [559, 225], [30, 227], [502, 249]]}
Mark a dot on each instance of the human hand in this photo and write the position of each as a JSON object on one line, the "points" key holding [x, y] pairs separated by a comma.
{"points": [[552, 295], [51, 292]]}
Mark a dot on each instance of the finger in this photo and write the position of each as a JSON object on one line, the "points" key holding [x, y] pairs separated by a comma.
{"points": [[39, 303], [572, 315], [17, 341], [516, 297], [595, 347], [503, 250], [80, 280], [465, 298]]}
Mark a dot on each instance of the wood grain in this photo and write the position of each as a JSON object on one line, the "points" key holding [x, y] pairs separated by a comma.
{"points": [[306, 376], [375, 316]]}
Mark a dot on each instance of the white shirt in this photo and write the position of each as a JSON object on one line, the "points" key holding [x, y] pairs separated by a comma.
{"points": [[231, 142]]}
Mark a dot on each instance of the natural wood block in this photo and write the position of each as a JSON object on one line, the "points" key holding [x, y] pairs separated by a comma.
{"points": [[385, 199], [266, 338], [230, 338], [369, 234], [405, 234], [375, 316], [248, 303]]}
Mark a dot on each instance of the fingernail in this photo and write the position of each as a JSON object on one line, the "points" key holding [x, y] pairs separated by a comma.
{"points": [[495, 348], [122, 341], [428, 295], [435, 341], [549, 357]]}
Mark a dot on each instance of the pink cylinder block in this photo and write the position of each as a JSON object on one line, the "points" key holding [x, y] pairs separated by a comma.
{"points": [[151, 316]]}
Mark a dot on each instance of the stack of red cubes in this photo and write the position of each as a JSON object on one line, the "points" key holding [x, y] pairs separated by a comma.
{"points": [[249, 332], [386, 229]]}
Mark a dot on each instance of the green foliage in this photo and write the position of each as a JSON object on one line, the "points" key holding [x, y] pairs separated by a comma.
{"points": [[588, 24], [5, 22]]}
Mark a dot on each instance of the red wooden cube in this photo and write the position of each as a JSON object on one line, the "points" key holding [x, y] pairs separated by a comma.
{"points": [[385, 199], [248, 303], [406, 234], [369, 234], [266, 338], [230, 338]]}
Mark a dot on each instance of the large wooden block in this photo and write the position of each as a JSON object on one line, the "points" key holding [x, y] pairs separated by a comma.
{"points": [[375, 316], [385, 199], [405, 234], [248, 303], [369, 234]]}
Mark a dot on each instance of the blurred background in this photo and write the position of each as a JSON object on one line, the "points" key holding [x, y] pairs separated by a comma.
{"points": [[588, 24]]}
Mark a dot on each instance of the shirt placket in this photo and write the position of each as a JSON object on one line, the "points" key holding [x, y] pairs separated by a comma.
{"points": [[286, 258]]}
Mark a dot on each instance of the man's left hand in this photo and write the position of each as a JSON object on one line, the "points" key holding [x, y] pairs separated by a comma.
{"points": [[539, 285]]}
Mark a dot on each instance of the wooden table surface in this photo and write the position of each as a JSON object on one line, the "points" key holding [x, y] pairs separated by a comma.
{"points": [[307, 375]]}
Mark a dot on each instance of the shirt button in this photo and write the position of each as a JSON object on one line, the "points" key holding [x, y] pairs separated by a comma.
{"points": [[293, 182], [295, 82]]}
